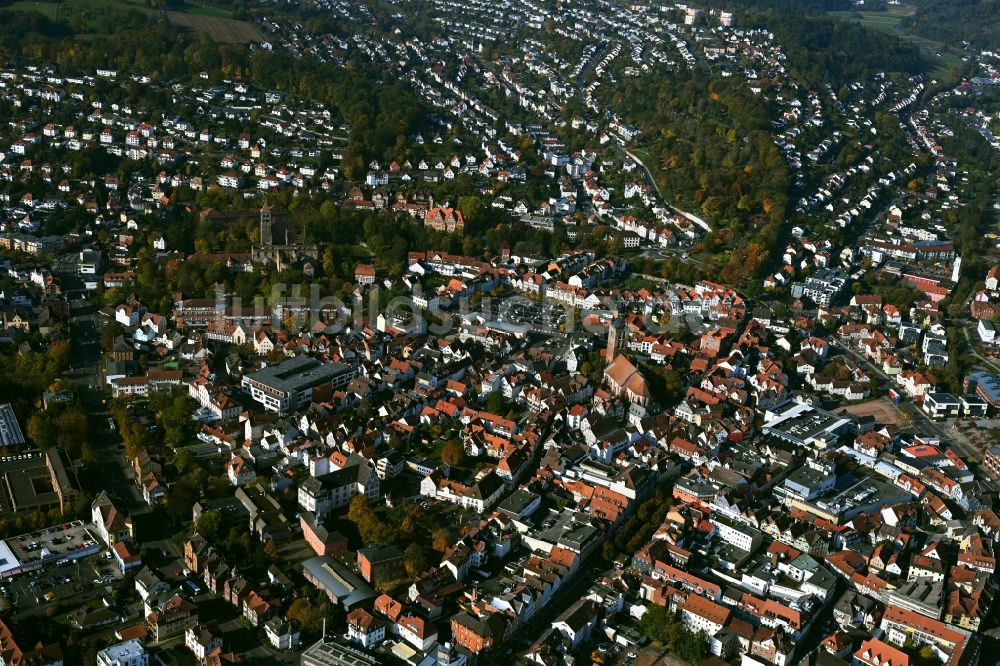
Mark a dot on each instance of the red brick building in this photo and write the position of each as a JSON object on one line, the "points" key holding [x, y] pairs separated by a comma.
{"points": [[479, 634], [381, 564], [320, 539]]}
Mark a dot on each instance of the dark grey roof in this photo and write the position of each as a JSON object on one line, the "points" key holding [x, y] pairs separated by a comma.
{"points": [[337, 580], [380, 554], [356, 471]]}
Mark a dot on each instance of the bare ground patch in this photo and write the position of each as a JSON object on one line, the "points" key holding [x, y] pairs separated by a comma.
{"points": [[884, 411]]}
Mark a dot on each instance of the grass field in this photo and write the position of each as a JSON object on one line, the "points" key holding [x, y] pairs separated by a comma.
{"points": [[215, 27], [49, 9], [939, 53]]}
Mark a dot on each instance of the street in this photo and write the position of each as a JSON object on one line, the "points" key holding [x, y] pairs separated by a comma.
{"points": [[921, 422]]}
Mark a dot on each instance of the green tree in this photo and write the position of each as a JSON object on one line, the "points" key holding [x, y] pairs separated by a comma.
{"points": [[691, 647], [109, 332], [184, 461], [417, 559], [657, 622], [496, 403], [209, 523]]}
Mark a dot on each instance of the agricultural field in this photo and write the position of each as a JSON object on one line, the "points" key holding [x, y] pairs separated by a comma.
{"points": [[216, 28]]}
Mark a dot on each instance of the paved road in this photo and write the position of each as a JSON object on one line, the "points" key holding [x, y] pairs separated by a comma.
{"points": [[972, 350], [616, 145], [112, 469], [943, 430]]}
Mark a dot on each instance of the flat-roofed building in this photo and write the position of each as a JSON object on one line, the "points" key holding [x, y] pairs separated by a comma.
{"points": [[852, 496], [332, 653], [129, 653], [984, 384], [37, 482], [805, 425], [941, 405], [10, 429], [285, 387]]}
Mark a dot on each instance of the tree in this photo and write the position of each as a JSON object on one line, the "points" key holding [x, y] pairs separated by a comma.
{"points": [[109, 332], [370, 526], [471, 208], [926, 655], [180, 500], [174, 413], [61, 353], [657, 623], [72, 430], [453, 453], [309, 614], [496, 403], [417, 559], [184, 461], [441, 539], [68, 429], [691, 646], [41, 430], [209, 524]]}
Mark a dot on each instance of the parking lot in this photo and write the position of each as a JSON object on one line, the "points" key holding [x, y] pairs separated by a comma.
{"points": [[52, 564], [69, 540], [521, 311], [57, 583]]}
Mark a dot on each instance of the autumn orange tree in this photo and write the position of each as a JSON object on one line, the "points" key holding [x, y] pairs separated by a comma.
{"points": [[453, 453]]}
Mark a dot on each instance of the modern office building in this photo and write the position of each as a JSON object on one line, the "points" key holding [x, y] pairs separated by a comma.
{"points": [[290, 384]]}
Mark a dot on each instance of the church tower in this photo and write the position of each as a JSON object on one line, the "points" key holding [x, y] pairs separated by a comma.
{"points": [[617, 338], [266, 238]]}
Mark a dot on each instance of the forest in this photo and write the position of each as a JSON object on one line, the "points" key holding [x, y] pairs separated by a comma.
{"points": [[708, 141], [823, 50], [956, 21]]}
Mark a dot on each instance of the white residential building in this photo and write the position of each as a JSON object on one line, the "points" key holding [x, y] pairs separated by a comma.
{"points": [[129, 653]]}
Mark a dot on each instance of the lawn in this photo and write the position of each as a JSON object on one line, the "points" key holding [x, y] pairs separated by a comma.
{"points": [[634, 281], [49, 9]]}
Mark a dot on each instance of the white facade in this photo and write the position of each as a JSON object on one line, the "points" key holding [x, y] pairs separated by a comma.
{"points": [[367, 640], [129, 653]]}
